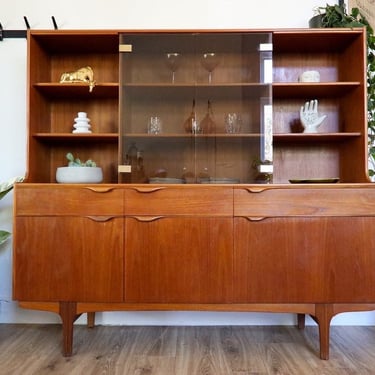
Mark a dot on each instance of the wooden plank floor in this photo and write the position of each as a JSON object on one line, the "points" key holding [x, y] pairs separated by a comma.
{"points": [[237, 350]]}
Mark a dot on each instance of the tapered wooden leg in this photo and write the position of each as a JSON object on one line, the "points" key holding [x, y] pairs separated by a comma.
{"points": [[68, 314], [324, 314], [301, 321], [90, 319]]}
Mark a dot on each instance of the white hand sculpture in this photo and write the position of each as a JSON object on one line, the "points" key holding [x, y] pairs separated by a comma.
{"points": [[310, 118]]}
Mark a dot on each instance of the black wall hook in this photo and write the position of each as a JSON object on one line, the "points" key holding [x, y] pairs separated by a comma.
{"points": [[11, 33], [54, 23], [26, 22]]}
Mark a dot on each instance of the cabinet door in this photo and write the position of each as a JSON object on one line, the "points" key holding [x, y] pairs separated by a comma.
{"points": [[68, 259], [302, 259], [178, 259], [196, 106]]}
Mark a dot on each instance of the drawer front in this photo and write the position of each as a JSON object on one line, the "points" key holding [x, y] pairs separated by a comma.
{"points": [[45, 200], [201, 201], [310, 201]]}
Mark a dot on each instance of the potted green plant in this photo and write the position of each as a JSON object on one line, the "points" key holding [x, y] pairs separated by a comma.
{"points": [[337, 16], [5, 188], [79, 172]]}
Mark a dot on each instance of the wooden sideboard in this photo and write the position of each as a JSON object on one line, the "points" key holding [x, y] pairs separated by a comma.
{"points": [[304, 249]]}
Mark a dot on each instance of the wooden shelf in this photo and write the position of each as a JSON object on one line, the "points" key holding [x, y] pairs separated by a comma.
{"points": [[292, 40], [323, 137], [77, 41], [81, 137], [326, 89], [66, 90]]}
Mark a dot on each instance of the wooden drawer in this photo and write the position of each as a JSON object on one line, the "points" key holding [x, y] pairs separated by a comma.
{"points": [[274, 201], [54, 200], [182, 200]]}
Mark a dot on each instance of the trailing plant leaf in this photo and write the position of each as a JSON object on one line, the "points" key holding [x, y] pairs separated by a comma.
{"points": [[4, 235], [5, 188]]}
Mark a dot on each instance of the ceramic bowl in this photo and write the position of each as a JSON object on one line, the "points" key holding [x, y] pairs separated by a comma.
{"points": [[79, 175]]}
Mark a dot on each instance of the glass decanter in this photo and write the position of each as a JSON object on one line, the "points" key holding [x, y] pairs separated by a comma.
{"points": [[190, 124], [208, 124]]}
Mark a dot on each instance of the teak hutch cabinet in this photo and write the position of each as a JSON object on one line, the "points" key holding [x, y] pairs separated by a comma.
{"points": [[182, 220]]}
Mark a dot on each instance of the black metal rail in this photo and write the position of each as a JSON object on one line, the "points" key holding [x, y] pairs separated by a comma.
{"points": [[20, 33]]}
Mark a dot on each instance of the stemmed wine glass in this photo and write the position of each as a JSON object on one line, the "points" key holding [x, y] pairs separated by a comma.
{"points": [[173, 62], [209, 61]]}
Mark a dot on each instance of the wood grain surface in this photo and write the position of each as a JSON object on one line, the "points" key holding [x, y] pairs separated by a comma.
{"points": [[224, 350]]}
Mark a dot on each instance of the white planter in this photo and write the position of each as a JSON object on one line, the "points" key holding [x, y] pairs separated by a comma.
{"points": [[79, 175]]}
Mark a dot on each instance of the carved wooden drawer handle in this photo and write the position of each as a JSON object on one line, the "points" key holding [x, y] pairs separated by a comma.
{"points": [[256, 189], [147, 219], [256, 218], [104, 189], [148, 189], [100, 219]]}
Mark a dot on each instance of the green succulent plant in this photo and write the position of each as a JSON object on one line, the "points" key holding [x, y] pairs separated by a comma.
{"points": [[5, 188], [76, 162]]}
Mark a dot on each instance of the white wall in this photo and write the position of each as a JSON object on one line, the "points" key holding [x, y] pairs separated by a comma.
{"points": [[121, 14], [148, 14]]}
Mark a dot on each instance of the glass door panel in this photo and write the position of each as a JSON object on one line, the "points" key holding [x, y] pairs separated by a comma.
{"points": [[192, 107]]}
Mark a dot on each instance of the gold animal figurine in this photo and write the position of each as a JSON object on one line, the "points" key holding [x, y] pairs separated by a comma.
{"points": [[85, 75]]}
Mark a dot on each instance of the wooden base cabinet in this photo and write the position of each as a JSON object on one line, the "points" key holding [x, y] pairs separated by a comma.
{"points": [[226, 248]]}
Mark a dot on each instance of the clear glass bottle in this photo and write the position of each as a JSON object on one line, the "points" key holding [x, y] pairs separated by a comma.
{"points": [[190, 124], [208, 125]]}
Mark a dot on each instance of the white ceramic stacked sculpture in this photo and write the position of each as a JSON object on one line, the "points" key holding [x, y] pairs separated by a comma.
{"points": [[82, 123]]}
